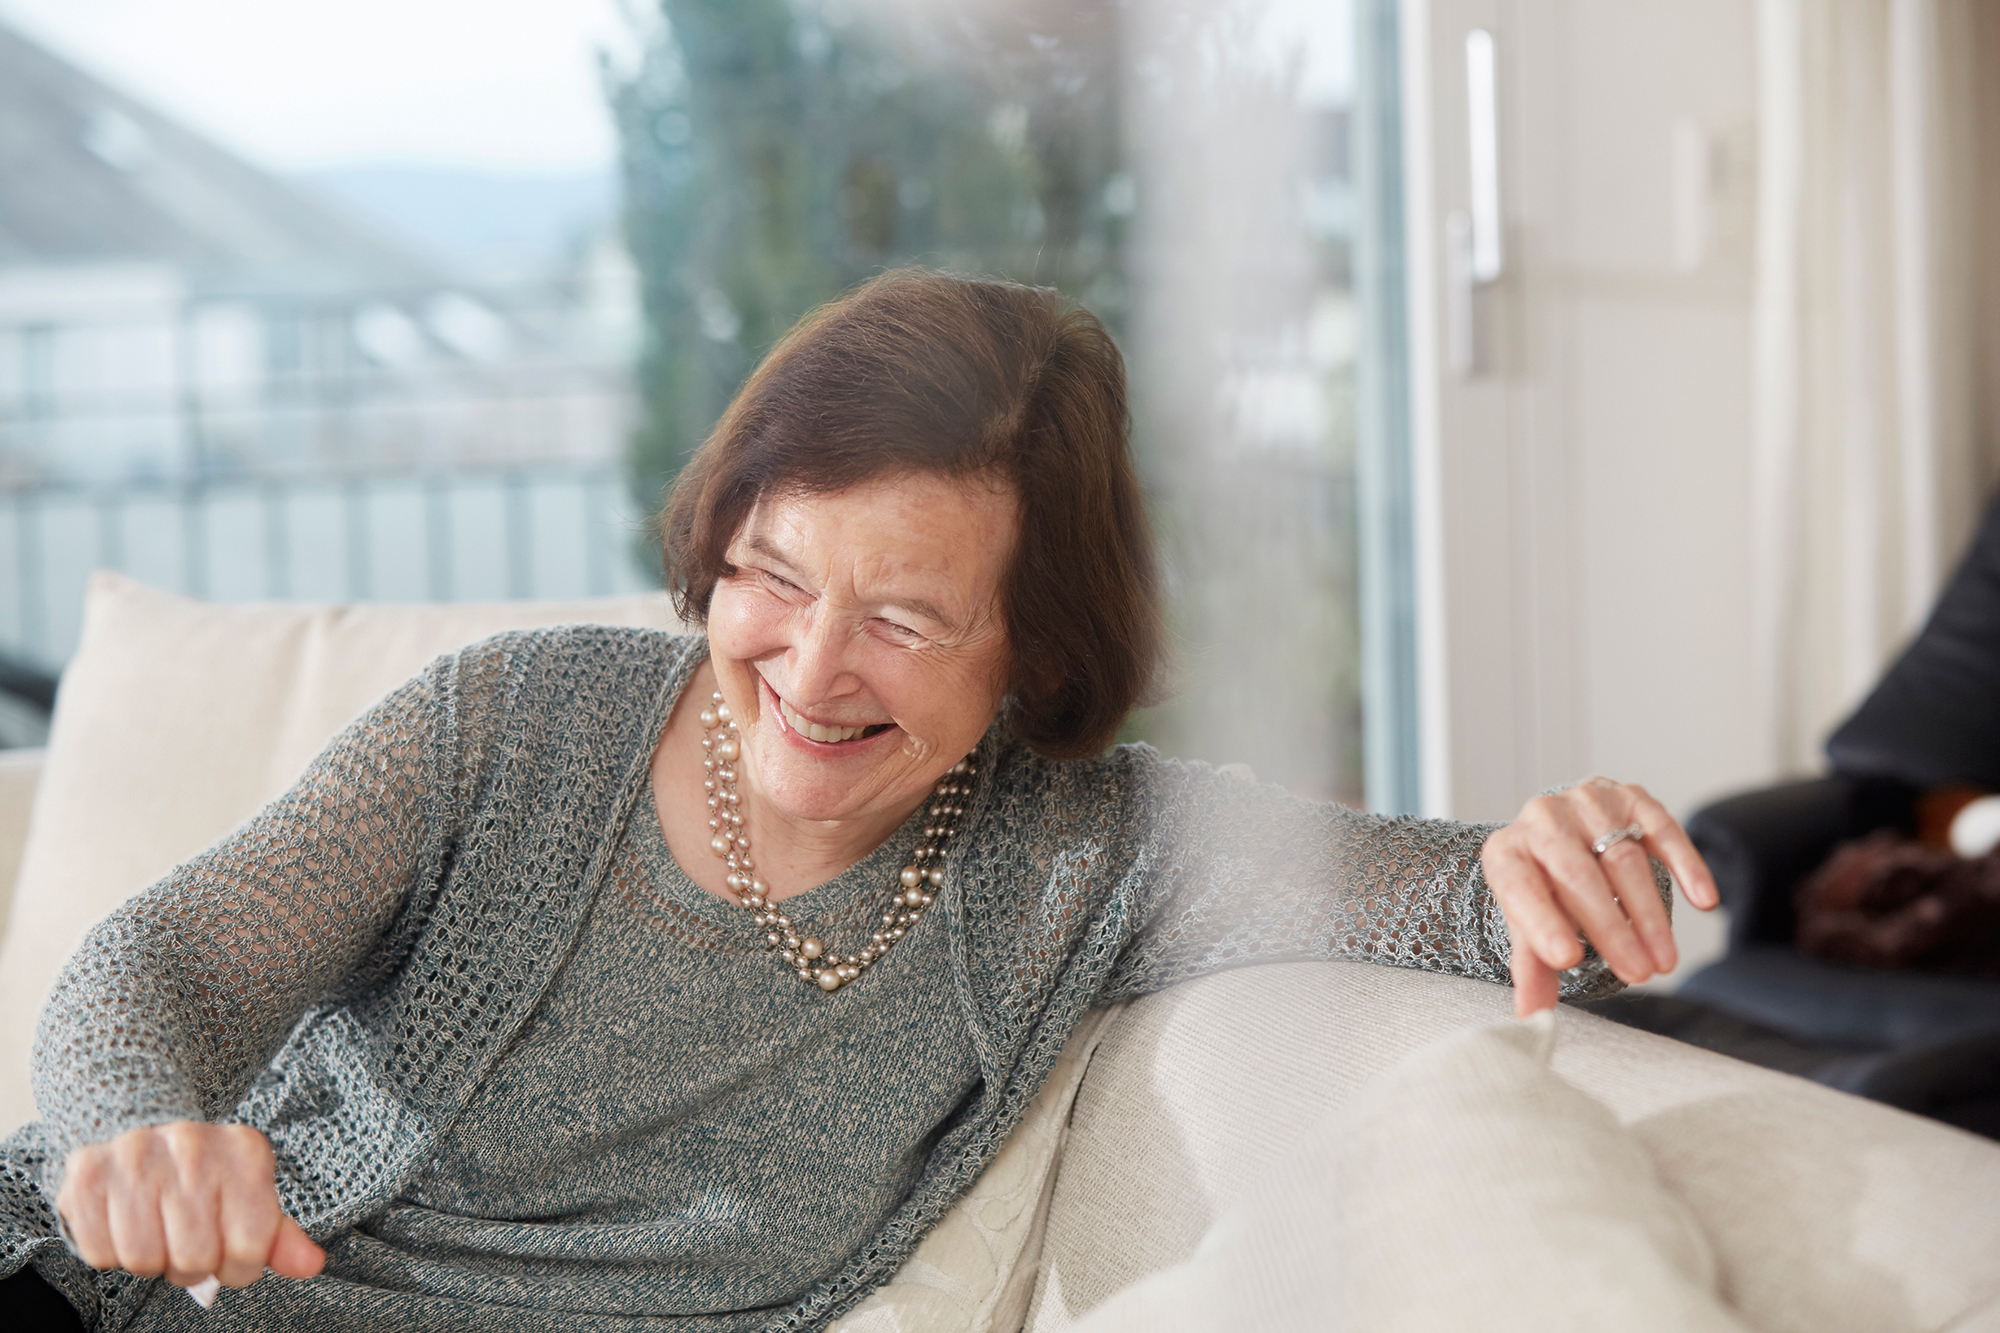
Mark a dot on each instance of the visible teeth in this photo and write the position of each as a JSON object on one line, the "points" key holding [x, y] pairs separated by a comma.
{"points": [[813, 730]]}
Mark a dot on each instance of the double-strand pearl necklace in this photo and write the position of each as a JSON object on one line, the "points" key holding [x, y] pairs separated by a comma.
{"points": [[914, 885]]}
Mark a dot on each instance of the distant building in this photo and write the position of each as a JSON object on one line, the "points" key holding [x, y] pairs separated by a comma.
{"points": [[169, 311], [219, 383]]}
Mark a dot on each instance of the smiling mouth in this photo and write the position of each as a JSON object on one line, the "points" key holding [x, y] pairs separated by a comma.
{"points": [[826, 735]]}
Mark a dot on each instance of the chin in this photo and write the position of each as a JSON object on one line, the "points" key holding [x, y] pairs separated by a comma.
{"points": [[803, 793]]}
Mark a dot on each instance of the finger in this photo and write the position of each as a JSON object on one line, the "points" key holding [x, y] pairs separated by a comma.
{"points": [[1630, 871], [188, 1206], [1618, 805], [189, 1233], [1593, 887], [1627, 865], [132, 1209], [1586, 895], [1537, 930], [81, 1205], [1670, 842], [1534, 983], [1535, 923], [250, 1215], [294, 1254]]}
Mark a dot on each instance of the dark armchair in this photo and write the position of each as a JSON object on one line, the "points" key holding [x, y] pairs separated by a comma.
{"points": [[1928, 1042]]}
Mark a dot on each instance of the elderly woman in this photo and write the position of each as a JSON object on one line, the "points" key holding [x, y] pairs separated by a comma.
{"points": [[599, 977]]}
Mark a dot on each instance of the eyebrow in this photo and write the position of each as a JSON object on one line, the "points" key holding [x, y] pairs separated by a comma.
{"points": [[765, 547]]}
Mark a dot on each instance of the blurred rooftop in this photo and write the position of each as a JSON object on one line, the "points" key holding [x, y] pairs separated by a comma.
{"points": [[93, 176]]}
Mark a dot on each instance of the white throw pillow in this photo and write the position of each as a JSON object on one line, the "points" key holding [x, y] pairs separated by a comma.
{"points": [[176, 721], [1469, 1187]]}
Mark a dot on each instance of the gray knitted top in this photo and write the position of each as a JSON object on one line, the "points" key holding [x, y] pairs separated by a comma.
{"points": [[520, 1072]]}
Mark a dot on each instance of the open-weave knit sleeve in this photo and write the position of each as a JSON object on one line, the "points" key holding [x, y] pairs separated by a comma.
{"points": [[175, 1001], [1240, 872]]}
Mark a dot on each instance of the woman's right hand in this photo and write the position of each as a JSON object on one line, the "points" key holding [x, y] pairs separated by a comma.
{"points": [[187, 1199]]}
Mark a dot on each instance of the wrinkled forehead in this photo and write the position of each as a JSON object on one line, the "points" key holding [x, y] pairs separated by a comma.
{"points": [[980, 498], [922, 527]]}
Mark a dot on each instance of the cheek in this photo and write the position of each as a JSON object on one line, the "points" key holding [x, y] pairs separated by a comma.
{"points": [[740, 622], [958, 702]]}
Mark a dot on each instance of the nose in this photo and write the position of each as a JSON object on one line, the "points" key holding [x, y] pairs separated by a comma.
{"points": [[820, 669]]}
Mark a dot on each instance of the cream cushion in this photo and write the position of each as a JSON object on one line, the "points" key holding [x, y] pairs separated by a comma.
{"points": [[1469, 1187], [177, 720], [1824, 1212], [975, 1271]]}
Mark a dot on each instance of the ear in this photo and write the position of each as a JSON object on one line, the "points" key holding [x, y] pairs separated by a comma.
{"points": [[1034, 679]]}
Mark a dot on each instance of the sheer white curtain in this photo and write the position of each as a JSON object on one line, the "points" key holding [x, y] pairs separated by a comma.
{"points": [[1873, 303]]}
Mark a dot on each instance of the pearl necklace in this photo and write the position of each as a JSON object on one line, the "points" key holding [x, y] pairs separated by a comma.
{"points": [[915, 884]]}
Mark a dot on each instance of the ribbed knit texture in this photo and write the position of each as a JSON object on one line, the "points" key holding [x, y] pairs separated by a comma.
{"points": [[410, 971]]}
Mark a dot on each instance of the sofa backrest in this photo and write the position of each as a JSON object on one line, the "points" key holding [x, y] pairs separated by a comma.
{"points": [[20, 771], [1934, 717], [177, 720]]}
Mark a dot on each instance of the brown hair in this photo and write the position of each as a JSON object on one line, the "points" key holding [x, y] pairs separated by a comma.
{"points": [[918, 371]]}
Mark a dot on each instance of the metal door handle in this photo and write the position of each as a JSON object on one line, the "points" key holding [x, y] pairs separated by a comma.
{"points": [[1483, 154], [1474, 254]]}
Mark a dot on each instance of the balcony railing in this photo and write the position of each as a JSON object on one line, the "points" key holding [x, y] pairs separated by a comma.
{"points": [[545, 531]]}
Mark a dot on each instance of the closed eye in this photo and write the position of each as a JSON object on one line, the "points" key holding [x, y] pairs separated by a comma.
{"points": [[784, 587], [900, 633]]}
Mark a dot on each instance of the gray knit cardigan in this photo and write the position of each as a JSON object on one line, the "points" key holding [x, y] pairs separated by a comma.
{"points": [[343, 969]]}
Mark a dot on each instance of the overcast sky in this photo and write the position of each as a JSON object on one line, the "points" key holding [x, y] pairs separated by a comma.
{"points": [[495, 84], [299, 84]]}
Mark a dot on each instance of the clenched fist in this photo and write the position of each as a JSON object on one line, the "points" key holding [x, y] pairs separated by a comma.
{"points": [[187, 1199]]}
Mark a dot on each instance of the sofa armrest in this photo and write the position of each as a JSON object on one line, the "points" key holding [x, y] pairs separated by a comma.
{"points": [[1761, 843], [20, 772]]}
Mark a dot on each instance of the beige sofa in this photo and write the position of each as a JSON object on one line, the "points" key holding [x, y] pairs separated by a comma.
{"points": [[1305, 1146]]}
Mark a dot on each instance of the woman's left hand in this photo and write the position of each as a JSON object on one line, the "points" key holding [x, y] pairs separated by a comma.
{"points": [[1552, 886]]}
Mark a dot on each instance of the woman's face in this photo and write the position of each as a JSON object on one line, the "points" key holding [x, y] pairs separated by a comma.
{"points": [[859, 640]]}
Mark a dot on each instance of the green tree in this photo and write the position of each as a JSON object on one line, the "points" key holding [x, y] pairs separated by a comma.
{"points": [[778, 151]]}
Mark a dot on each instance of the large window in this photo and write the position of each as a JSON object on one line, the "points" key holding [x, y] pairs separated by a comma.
{"points": [[385, 401]]}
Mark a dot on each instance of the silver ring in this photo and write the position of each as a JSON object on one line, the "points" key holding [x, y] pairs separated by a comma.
{"points": [[1616, 836]]}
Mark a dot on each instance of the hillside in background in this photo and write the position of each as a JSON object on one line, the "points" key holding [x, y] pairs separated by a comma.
{"points": [[488, 224]]}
